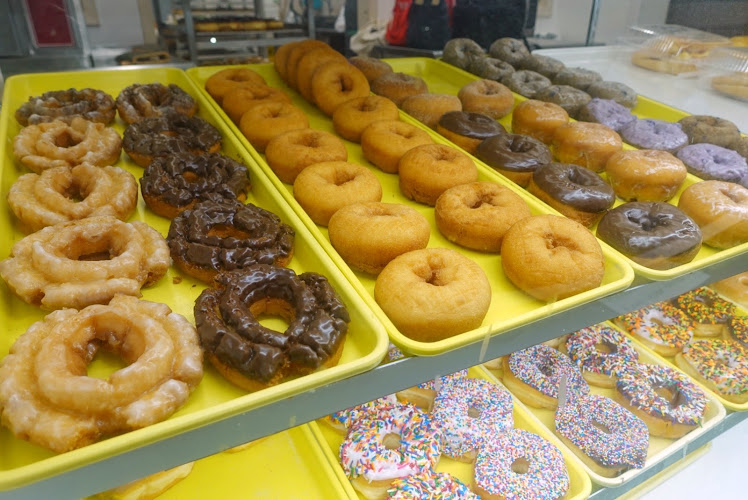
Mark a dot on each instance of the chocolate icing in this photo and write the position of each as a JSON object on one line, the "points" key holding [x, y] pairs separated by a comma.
{"points": [[91, 104], [153, 99], [170, 133], [578, 187], [230, 331], [514, 152], [190, 236], [472, 125]]}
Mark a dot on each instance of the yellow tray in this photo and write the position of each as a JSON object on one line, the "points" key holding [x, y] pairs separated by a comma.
{"points": [[215, 398], [447, 79], [579, 483], [658, 447], [510, 307]]}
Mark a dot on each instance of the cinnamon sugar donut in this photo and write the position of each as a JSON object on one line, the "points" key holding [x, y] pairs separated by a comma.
{"points": [[398, 86], [538, 119], [383, 143], [238, 100], [352, 117], [371, 67], [427, 171], [227, 79], [487, 97], [290, 153], [588, 145], [428, 108], [267, 120], [336, 82], [720, 209]]}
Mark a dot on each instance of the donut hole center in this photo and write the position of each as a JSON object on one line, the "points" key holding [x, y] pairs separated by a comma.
{"points": [[733, 196], [343, 178], [93, 249], [309, 141], [672, 395], [111, 349], [576, 177], [473, 412], [520, 145], [545, 369], [602, 427], [75, 192], [521, 466], [480, 201], [368, 106], [66, 140], [226, 231], [435, 278], [553, 242], [605, 348], [391, 441], [190, 177], [275, 314], [405, 134]]}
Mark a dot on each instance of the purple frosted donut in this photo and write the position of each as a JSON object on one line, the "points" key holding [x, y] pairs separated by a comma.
{"points": [[714, 162], [608, 112], [654, 134]]}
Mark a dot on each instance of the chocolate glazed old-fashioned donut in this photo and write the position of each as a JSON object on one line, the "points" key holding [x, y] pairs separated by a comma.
{"points": [[653, 234], [515, 156], [253, 356]]}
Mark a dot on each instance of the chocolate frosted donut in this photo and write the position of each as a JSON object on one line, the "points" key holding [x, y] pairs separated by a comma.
{"points": [[515, 156], [546, 66], [491, 68], [579, 78], [526, 83], [154, 99], [461, 51], [253, 356], [653, 234], [714, 163], [468, 130], [223, 236], [174, 183], [566, 96], [90, 104], [510, 50], [654, 134], [169, 134], [606, 111], [710, 130], [620, 93]]}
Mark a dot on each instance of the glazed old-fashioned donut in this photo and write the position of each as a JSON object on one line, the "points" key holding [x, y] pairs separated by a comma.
{"points": [[461, 52], [620, 93], [83, 262], [709, 129], [538, 119], [546, 66], [426, 171], [711, 162], [384, 142], [468, 130], [579, 78], [589, 145], [478, 214], [227, 79], [429, 108], [665, 399], [290, 153], [371, 67], [606, 111], [490, 68], [65, 105], [153, 99], [47, 398], [253, 356], [433, 294], [238, 100], [324, 188], [534, 375], [734, 288], [649, 133], [59, 144], [708, 313], [336, 82], [720, 209], [398, 86], [645, 174], [487, 97], [175, 183], [351, 118], [566, 96], [525, 82], [654, 234], [600, 352], [530, 259], [309, 64], [369, 235], [63, 194], [511, 50], [607, 437], [267, 120], [575, 191], [514, 156], [169, 134], [720, 365], [662, 327], [222, 236]]}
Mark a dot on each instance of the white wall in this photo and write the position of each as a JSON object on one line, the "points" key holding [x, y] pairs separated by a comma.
{"points": [[119, 24]]}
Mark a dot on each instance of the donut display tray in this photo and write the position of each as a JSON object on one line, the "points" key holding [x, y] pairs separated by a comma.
{"points": [[659, 448], [510, 307], [447, 79], [579, 484], [215, 398]]}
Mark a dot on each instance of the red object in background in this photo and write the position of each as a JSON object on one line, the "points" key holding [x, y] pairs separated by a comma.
{"points": [[49, 23]]}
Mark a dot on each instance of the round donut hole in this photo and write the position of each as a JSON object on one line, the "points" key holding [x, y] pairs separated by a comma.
{"points": [[75, 192], [94, 250], [66, 140], [272, 313], [226, 231], [553, 241], [190, 177], [600, 426], [392, 441], [521, 466]]}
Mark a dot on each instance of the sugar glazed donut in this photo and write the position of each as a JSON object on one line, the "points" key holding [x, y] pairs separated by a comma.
{"points": [[369, 235], [734, 288], [353, 116], [398, 86], [645, 175], [514, 156], [600, 352], [288, 154], [324, 188], [384, 142], [265, 121], [84, 262], [336, 82], [428, 108], [662, 327], [52, 197], [175, 183], [708, 313], [252, 356], [47, 398], [153, 99], [58, 144], [425, 172], [538, 119], [227, 79], [589, 145], [720, 365], [433, 294], [551, 257], [478, 214], [65, 105], [487, 97]]}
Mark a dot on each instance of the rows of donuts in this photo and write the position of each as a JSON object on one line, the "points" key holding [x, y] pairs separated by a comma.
{"points": [[85, 262]]}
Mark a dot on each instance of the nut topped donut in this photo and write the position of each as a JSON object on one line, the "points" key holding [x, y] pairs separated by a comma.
{"points": [[253, 356], [222, 236], [154, 99], [65, 105]]}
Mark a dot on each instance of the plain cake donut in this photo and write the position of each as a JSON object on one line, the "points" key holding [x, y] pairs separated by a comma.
{"points": [[720, 209], [237, 101], [351, 118], [227, 79], [336, 82], [645, 175], [371, 67], [261, 123], [488, 97], [428, 108], [384, 142], [290, 153], [427, 171]]}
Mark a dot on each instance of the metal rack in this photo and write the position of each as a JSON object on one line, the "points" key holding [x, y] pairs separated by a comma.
{"points": [[280, 415]]}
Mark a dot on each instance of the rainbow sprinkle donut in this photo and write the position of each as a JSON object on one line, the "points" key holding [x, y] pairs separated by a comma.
{"points": [[738, 330], [398, 441], [519, 465], [640, 389], [661, 327], [533, 375], [600, 352], [463, 434], [721, 365], [610, 453], [708, 312], [343, 419], [430, 485]]}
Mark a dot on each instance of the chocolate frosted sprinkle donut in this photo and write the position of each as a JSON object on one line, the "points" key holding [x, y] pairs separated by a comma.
{"points": [[169, 134], [223, 236], [154, 99], [174, 183], [526, 82], [91, 104], [253, 356]]}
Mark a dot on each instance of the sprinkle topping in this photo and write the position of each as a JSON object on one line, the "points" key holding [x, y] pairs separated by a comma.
{"points": [[722, 362], [428, 485], [738, 326], [661, 323], [351, 415], [541, 367], [394, 353], [583, 350], [704, 306]]}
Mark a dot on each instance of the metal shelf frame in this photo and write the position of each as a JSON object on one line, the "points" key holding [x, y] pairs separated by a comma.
{"points": [[385, 379]]}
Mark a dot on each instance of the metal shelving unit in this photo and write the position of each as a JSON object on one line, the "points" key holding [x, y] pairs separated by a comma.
{"points": [[280, 415]]}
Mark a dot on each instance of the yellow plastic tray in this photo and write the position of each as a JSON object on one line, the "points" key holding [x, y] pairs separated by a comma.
{"points": [[444, 78], [658, 447], [510, 307], [215, 398], [579, 483]]}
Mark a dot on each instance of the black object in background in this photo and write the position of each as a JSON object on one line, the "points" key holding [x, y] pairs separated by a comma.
{"points": [[428, 25], [484, 21]]}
